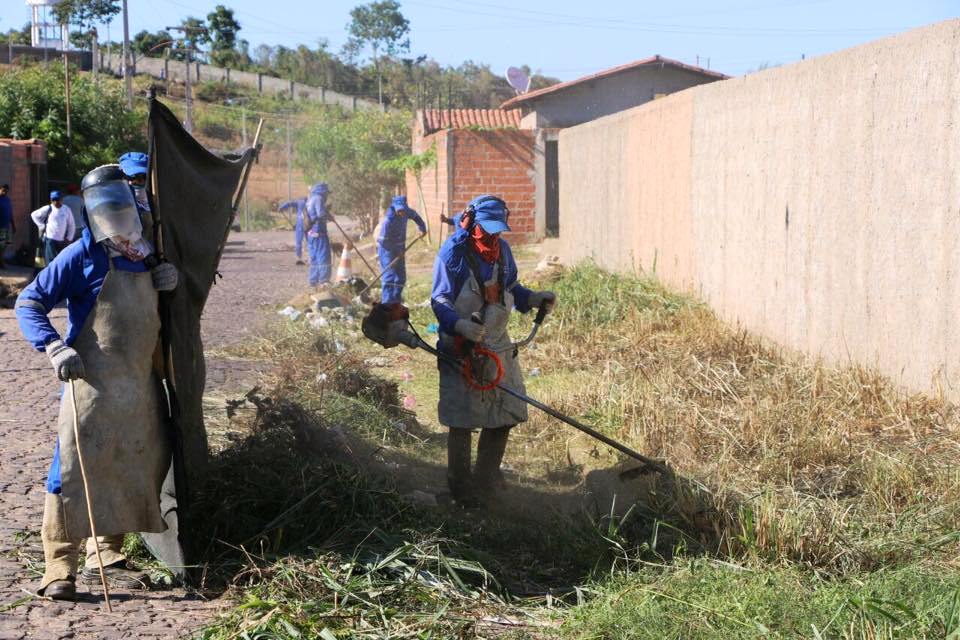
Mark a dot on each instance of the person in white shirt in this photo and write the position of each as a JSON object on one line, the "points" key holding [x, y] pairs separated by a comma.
{"points": [[56, 224]]}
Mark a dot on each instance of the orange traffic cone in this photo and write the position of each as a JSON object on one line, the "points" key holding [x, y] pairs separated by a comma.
{"points": [[344, 272]]}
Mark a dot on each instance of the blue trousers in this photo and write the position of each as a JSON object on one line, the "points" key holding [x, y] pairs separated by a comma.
{"points": [[319, 259], [51, 248], [393, 279]]}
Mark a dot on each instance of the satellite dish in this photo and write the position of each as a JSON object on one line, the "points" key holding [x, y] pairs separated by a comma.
{"points": [[518, 80]]}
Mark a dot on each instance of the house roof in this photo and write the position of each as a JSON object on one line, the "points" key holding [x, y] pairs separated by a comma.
{"points": [[436, 119], [513, 103]]}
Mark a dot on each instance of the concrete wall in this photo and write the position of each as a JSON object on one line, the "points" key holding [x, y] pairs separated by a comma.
{"points": [[820, 207], [605, 96], [177, 71], [19, 52], [625, 191]]}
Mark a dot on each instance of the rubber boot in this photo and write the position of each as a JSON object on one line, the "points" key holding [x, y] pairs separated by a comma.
{"points": [[118, 572], [60, 555], [458, 467], [490, 449]]}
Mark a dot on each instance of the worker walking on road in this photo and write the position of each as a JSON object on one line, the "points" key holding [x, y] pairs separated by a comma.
{"points": [[298, 228], [475, 285], [391, 244], [318, 243], [110, 280]]}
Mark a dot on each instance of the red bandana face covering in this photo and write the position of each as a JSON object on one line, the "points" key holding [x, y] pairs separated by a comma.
{"points": [[485, 244]]}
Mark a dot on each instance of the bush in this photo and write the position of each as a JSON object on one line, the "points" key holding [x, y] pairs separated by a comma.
{"points": [[33, 105]]}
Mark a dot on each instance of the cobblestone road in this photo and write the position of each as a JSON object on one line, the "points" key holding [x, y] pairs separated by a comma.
{"points": [[258, 269]]}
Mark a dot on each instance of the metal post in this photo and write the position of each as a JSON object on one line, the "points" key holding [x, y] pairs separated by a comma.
{"points": [[66, 86], [127, 76], [95, 52], [246, 201], [289, 164]]}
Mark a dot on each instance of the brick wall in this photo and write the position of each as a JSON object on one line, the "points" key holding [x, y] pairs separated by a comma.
{"points": [[17, 157], [474, 162], [498, 162]]}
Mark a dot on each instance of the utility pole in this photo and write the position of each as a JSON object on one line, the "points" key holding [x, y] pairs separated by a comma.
{"points": [[95, 52], [289, 164], [187, 48], [66, 83], [127, 72]]}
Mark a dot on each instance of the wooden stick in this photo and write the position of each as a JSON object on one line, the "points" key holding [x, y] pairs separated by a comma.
{"points": [[392, 262], [86, 493], [350, 242]]}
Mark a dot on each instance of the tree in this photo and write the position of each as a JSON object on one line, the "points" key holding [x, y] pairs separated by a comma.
{"points": [[348, 151], [17, 37], [151, 44], [223, 29], [85, 14], [380, 26], [32, 105]]}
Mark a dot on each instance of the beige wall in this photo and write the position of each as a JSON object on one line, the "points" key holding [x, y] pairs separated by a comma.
{"points": [[625, 190], [820, 205]]}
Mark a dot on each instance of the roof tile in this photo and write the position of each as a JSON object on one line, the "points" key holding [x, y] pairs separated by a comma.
{"points": [[436, 119]]}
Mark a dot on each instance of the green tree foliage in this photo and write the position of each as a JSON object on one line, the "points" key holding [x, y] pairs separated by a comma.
{"points": [[32, 106], [223, 28], [86, 13], [349, 151], [145, 43], [381, 27], [19, 36]]}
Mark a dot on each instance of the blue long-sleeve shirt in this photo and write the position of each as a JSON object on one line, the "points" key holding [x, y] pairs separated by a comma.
{"points": [[76, 275], [393, 231], [451, 271], [316, 215]]}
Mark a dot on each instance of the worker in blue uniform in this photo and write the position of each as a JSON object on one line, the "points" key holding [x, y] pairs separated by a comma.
{"points": [[300, 204], [475, 287], [318, 243], [109, 280], [391, 245]]}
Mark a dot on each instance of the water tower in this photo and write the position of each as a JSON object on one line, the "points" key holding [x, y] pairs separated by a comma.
{"points": [[44, 30]]}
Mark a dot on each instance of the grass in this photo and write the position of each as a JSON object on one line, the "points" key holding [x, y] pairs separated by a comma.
{"points": [[808, 500]]}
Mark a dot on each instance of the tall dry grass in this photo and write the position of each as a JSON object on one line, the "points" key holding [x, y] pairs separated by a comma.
{"points": [[777, 456]]}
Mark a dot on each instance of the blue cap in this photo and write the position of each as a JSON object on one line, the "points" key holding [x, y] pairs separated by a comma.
{"points": [[55, 195], [134, 163], [319, 189], [399, 203], [491, 213]]}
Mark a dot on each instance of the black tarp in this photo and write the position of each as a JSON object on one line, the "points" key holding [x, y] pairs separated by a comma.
{"points": [[192, 192]]}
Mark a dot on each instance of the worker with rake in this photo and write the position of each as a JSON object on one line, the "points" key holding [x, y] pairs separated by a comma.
{"points": [[392, 247], [112, 454], [475, 286]]}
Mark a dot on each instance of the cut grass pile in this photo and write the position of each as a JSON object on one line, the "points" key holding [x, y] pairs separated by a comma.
{"points": [[808, 500]]}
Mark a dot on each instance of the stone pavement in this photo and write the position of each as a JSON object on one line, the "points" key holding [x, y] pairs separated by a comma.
{"points": [[258, 269]]}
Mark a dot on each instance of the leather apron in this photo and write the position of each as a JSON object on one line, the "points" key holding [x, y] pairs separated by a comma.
{"points": [[462, 406], [125, 449]]}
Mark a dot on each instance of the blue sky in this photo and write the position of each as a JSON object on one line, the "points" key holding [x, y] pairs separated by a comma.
{"points": [[569, 39]]}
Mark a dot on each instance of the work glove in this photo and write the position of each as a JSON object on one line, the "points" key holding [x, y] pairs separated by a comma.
{"points": [[165, 277], [470, 330], [540, 298], [66, 361]]}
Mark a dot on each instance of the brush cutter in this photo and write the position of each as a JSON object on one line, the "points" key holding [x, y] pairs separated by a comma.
{"points": [[389, 325]]}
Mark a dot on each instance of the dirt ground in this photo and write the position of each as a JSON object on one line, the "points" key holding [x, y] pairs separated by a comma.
{"points": [[258, 269]]}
